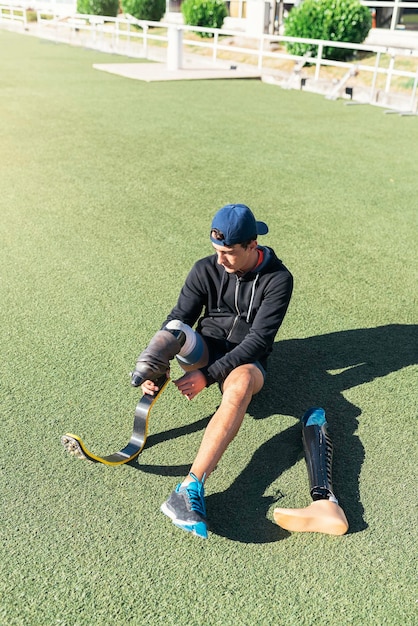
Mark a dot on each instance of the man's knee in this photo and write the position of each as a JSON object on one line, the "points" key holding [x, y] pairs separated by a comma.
{"points": [[243, 381]]}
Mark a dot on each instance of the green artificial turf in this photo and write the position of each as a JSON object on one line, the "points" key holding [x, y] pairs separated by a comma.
{"points": [[107, 189]]}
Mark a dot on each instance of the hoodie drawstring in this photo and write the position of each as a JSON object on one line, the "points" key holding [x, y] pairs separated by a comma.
{"points": [[252, 298]]}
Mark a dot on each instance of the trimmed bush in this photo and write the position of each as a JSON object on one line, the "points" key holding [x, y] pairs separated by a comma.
{"points": [[205, 13], [108, 8], [151, 10], [31, 15], [333, 20]]}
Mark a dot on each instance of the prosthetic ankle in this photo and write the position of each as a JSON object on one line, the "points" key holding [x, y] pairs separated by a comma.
{"points": [[175, 339]]}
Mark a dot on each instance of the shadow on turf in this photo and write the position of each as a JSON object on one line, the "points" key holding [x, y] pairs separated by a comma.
{"points": [[314, 371]]}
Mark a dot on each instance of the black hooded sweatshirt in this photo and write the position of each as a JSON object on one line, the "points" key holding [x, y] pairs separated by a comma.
{"points": [[242, 313]]}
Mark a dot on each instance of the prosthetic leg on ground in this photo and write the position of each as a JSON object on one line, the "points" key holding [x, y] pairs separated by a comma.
{"points": [[324, 515], [176, 339]]}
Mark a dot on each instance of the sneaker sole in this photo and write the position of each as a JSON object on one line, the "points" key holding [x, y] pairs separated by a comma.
{"points": [[189, 528]]}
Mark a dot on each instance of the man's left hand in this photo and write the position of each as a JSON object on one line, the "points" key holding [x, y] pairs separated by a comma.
{"points": [[191, 384]]}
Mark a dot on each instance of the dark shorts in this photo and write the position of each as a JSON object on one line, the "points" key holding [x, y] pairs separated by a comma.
{"points": [[217, 349]]}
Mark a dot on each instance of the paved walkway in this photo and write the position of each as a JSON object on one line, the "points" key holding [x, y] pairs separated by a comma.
{"points": [[156, 72]]}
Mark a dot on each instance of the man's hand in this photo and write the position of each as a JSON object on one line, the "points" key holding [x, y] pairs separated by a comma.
{"points": [[149, 387], [191, 384]]}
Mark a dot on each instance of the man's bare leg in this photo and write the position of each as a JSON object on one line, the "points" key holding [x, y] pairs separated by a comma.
{"points": [[186, 505], [324, 515], [238, 389]]}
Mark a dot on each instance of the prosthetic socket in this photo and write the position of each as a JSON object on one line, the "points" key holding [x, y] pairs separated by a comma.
{"points": [[318, 450], [175, 339]]}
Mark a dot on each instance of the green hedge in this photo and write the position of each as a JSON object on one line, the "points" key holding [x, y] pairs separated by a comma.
{"points": [[108, 8], [333, 20], [204, 13], [151, 10]]}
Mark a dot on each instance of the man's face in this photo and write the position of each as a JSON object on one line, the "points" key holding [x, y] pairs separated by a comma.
{"points": [[236, 259]]}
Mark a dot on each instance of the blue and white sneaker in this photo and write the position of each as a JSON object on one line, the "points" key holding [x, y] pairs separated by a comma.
{"points": [[186, 507]]}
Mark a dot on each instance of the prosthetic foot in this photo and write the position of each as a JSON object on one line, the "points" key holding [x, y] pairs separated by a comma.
{"points": [[324, 515], [176, 339]]}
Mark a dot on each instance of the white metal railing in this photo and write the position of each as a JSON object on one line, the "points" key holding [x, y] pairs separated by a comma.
{"points": [[12, 14], [135, 38]]}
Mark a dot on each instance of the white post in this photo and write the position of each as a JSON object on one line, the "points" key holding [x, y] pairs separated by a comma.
{"points": [[215, 48], [389, 73], [376, 67], [318, 60], [414, 91], [145, 40], [129, 36], [260, 53], [175, 48]]}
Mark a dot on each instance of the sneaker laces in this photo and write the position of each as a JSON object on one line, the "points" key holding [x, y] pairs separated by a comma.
{"points": [[195, 493]]}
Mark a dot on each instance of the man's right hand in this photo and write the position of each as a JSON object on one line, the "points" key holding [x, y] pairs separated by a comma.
{"points": [[149, 387]]}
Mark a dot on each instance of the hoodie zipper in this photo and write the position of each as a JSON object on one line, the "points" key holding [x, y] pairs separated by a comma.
{"points": [[237, 286]]}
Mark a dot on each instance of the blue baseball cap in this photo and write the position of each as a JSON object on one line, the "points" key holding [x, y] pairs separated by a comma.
{"points": [[237, 224]]}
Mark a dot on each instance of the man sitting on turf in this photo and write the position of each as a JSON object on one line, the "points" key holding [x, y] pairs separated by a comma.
{"points": [[238, 297]]}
